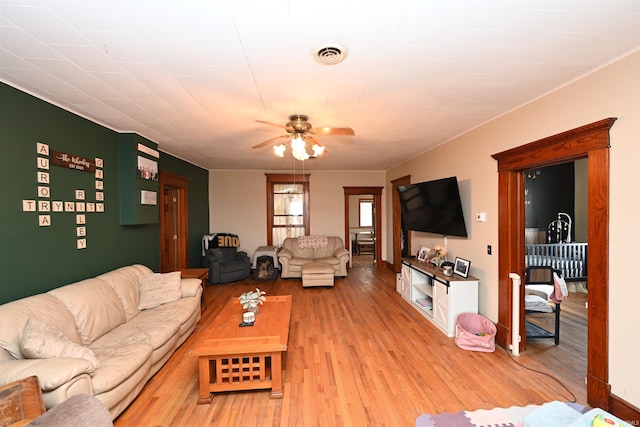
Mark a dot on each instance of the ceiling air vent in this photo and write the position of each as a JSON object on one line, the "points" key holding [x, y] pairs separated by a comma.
{"points": [[331, 53]]}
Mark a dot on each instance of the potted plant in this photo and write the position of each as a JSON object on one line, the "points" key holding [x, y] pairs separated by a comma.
{"points": [[252, 299]]}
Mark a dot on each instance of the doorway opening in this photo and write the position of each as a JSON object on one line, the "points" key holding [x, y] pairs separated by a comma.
{"points": [[591, 141], [174, 212], [401, 236], [556, 235], [363, 225]]}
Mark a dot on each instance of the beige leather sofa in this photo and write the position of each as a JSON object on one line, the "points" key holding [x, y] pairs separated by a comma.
{"points": [[295, 253], [100, 314]]}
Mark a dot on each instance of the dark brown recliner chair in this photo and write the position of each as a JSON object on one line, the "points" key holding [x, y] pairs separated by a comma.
{"points": [[223, 259]]}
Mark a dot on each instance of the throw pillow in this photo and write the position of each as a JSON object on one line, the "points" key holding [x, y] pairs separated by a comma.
{"points": [[41, 340], [159, 288]]}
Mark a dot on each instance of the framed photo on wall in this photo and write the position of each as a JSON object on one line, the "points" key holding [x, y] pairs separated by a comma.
{"points": [[147, 168], [461, 267]]}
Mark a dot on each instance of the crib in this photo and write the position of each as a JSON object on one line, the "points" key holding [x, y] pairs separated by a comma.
{"points": [[569, 258]]}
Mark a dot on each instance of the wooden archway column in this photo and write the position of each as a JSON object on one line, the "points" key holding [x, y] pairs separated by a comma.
{"points": [[397, 223], [591, 141], [377, 206]]}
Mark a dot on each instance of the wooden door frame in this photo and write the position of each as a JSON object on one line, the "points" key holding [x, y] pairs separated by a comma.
{"points": [[590, 141], [181, 183], [377, 201], [397, 223]]}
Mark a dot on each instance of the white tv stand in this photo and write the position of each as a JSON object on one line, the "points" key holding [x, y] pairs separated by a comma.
{"points": [[437, 297]]}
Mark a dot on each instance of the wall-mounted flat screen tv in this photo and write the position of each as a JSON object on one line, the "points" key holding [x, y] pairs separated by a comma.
{"points": [[433, 207]]}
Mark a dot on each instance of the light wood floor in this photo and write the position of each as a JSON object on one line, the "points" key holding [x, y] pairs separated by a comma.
{"points": [[569, 359], [358, 355]]}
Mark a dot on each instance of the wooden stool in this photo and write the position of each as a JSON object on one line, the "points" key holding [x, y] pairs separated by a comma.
{"points": [[317, 274]]}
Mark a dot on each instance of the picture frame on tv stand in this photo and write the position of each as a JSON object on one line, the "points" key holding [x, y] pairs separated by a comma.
{"points": [[423, 253], [461, 267]]}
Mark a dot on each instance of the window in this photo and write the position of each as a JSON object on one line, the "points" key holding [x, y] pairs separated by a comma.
{"points": [[287, 207], [366, 212]]}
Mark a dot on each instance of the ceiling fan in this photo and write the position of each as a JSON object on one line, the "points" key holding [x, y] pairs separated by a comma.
{"points": [[301, 132]]}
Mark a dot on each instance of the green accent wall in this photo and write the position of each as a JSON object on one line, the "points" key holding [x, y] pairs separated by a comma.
{"points": [[132, 210], [34, 258]]}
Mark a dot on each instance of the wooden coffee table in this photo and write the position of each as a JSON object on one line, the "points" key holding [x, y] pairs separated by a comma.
{"points": [[233, 358]]}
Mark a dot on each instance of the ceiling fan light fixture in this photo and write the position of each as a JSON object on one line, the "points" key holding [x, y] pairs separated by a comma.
{"points": [[301, 138], [280, 149], [301, 155], [318, 150], [297, 143], [299, 148]]}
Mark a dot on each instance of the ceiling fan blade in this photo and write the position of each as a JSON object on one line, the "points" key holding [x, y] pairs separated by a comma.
{"points": [[270, 123], [333, 131], [270, 141]]}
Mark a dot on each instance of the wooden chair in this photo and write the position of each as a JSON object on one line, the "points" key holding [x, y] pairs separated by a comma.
{"points": [[539, 281], [365, 242]]}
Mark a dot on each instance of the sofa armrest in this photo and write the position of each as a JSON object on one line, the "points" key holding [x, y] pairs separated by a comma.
{"points": [[190, 286], [243, 256], [341, 253], [285, 253], [51, 373]]}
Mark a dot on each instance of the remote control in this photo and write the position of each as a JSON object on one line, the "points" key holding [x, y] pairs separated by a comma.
{"points": [[246, 324]]}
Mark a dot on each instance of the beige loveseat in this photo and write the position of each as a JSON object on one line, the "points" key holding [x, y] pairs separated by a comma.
{"points": [[91, 337], [298, 251]]}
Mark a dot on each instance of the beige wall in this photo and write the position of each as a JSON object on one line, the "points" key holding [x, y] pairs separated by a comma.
{"points": [[238, 202], [613, 91]]}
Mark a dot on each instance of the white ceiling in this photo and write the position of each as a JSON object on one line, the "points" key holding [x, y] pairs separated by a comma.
{"points": [[194, 76]]}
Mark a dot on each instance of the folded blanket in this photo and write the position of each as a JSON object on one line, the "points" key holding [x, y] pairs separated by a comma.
{"points": [[313, 242], [536, 303]]}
